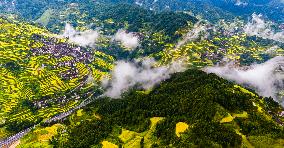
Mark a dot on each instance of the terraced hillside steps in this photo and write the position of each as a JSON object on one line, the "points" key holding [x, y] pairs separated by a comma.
{"points": [[12, 139]]}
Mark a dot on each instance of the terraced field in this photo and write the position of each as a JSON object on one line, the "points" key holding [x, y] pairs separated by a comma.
{"points": [[42, 75], [208, 52]]}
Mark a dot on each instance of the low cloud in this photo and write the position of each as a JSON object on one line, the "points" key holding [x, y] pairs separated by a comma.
{"points": [[129, 74], [127, 39], [241, 3], [261, 28], [193, 34], [9, 6], [265, 78], [85, 38], [272, 50]]}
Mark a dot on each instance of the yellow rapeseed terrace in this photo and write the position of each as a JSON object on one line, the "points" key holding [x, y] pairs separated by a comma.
{"points": [[107, 144], [181, 127]]}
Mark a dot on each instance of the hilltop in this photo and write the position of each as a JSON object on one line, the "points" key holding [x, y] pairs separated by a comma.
{"points": [[189, 109]]}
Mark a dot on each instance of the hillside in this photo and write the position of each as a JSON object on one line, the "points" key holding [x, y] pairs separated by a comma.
{"points": [[159, 33], [189, 109], [214, 10], [153, 29], [42, 75], [61, 61]]}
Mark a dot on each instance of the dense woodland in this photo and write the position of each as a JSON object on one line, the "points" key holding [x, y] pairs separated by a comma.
{"points": [[201, 100], [213, 10]]}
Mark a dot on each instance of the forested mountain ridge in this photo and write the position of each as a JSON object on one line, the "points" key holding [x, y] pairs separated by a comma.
{"points": [[189, 109], [213, 10]]}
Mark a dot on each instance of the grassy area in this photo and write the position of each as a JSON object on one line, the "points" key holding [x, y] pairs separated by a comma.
{"points": [[230, 117], [45, 17], [40, 137]]}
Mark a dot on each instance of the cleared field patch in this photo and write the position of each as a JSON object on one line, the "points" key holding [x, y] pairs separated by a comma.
{"points": [[107, 144], [230, 117], [133, 139], [40, 136], [127, 135], [181, 127]]}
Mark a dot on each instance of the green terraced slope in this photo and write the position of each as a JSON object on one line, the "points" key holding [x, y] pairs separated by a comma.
{"points": [[42, 75], [209, 52]]}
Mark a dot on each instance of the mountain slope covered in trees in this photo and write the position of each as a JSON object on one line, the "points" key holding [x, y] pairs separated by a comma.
{"points": [[189, 109], [213, 10]]}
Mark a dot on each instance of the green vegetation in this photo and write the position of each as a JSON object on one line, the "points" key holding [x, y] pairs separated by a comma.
{"points": [[208, 52], [158, 32], [154, 29], [193, 103], [43, 75], [40, 137], [214, 10], [37, 83]]}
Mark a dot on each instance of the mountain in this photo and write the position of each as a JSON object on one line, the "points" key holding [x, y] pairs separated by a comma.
{"points": [[189, 109], [59, 58], [158, 33], [214, 10], [154, 29]]}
